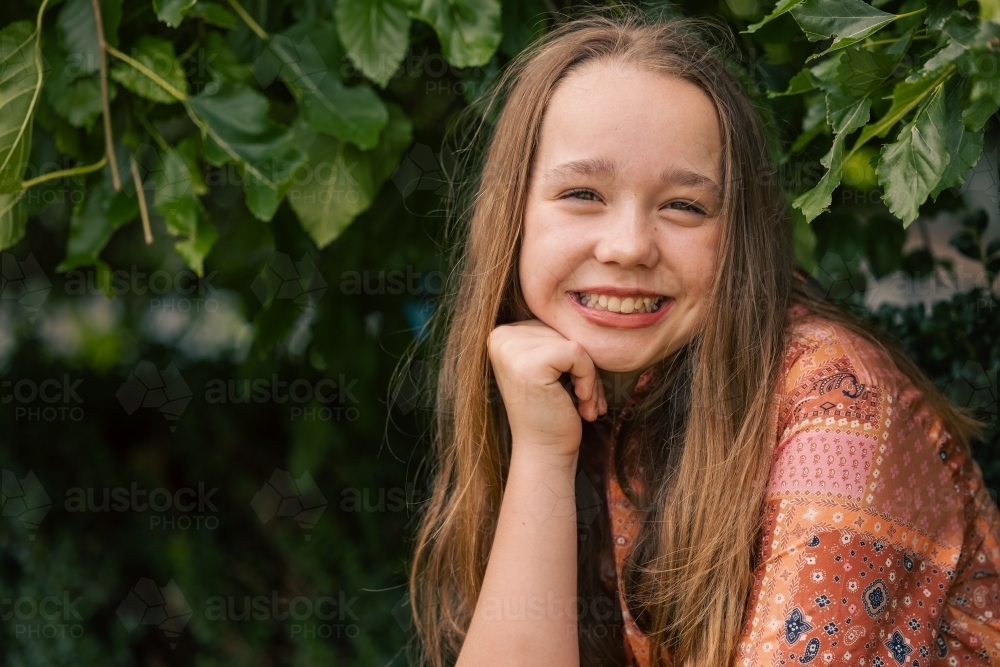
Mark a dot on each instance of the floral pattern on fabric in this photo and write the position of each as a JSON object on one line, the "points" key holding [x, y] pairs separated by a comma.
{"points": [[881, 544]]}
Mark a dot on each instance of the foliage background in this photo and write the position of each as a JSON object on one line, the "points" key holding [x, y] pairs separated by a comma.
{"points": [[290, 157]]}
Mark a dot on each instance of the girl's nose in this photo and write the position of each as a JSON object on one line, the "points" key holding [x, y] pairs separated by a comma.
{"points": [[627, 235]]}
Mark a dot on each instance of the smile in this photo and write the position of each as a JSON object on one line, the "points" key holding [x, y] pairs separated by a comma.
{"points": [[620, 304]]}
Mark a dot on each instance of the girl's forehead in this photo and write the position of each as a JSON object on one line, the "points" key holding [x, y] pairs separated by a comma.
{"points": [[624, 119]]}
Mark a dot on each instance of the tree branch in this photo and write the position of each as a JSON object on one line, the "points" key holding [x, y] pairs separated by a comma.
{"points": [[102, 45]]}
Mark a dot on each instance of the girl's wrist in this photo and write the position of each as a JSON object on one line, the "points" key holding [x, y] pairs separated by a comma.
{"points": [[543, 458]]}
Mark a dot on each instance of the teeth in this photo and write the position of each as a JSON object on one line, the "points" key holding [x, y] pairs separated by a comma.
{"points": [[626, 306]]}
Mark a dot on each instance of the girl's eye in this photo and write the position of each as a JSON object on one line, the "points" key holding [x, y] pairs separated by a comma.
{"points": [[687, 206], [582, 194]]}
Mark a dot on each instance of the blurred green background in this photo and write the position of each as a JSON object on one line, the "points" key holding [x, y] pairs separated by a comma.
{"points": [[202, 461]]}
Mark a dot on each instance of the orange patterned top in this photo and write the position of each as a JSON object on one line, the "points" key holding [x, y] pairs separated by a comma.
{"points": [[881, 544]]}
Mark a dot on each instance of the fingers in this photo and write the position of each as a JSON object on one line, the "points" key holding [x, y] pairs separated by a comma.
{"points": [[586, 381]]}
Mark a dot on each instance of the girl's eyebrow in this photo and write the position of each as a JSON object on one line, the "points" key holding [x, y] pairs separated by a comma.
{"points": [[602, 166]]}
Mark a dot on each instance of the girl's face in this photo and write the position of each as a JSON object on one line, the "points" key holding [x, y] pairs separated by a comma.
{"points": [[621, 223]]}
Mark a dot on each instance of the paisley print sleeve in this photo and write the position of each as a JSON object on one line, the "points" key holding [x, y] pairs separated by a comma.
{"points": [[875, 524]]}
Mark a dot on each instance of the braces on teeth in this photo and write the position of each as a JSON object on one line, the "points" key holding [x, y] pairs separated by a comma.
{"points": [[626, 305]]}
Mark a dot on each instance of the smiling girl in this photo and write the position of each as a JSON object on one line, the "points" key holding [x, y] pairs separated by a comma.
{"points": [[691, 458]]}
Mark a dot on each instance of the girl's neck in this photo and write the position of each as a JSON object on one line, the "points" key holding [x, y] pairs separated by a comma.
{"points": [[618, 386]]}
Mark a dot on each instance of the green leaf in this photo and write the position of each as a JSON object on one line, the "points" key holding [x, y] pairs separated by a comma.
{"points": [[848, 21], [13, 218], [222, 62], [958, 35], [214, 14], [376, 34], [172, 12], [912, 166], [338, 181], [905, 96], [75, 98], [965, 146], [78, 31], [984, 98], [782, 7], [95, 220], [825, 72], [817, 200], [234, 120], [989, 10], [355, 114], [193, 250], [157, 55], [861, 71], [468, 30], [802, 82], [175, 198], [846, 114], [20, 78]]}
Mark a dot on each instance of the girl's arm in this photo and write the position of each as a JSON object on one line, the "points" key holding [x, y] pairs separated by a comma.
{"points": [[526, 610]]}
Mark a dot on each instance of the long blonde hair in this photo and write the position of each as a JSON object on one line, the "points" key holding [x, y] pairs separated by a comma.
{"points": [[691, 580]]}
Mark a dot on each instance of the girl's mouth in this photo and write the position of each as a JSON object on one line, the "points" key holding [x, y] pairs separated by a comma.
{"points": [[624, 305]]}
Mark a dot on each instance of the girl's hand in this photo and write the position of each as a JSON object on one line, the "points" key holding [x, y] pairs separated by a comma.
{"points": [[528, 360]]}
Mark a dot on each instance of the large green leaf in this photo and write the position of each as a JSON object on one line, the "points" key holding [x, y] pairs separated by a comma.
{"points": [[469, 30], [844, 115], [338, 181], [237, 129], [912, 166], [861, 71], [306, 58], [157, 55], [905, 96], [20, 79], [376, 34], [847, 21], [78, 31], [965, 145], [172, 12]]}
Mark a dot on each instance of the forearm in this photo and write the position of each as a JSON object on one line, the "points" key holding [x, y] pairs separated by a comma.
{"points": [[526, 611]]}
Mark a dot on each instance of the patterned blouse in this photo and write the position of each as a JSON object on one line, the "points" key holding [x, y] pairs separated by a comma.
{"points": [[881, 544]]}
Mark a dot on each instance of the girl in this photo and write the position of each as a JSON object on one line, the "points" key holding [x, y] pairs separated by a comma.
{"points": [[773, 483]]}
